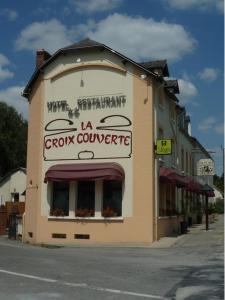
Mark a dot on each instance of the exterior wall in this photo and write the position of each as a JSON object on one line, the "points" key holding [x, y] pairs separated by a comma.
{"points": [[34, 162], [67, 79], [5, 194], [15, 183], [168, 226], [166, 122]]}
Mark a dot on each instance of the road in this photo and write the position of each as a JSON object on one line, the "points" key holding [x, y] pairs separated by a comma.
{"points": [[191, 268]]}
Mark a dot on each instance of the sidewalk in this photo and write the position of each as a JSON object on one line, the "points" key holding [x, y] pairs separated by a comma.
{"points": [[195, 234]]}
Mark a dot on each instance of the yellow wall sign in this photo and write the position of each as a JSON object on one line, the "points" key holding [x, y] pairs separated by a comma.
{"points": [[164, 147]]}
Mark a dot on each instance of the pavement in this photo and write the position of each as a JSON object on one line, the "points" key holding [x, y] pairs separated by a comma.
{"points": [[186, 267], [165, 242], [193, 235]]}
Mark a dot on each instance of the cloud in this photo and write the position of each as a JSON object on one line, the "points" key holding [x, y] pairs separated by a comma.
{"points": [[10, 14], [90, 6], [140, 38], [211, 124], [12, 96], [207, 124], [51, 35], [203, 5], [4, 72], [219, 128], [188, 92], [209, 74], [135, 37]]}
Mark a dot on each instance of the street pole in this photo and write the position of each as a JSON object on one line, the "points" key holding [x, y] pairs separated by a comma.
{"points": [[222, 148], [206, 213]]}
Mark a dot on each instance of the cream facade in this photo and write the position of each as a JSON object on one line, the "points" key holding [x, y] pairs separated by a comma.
{"points": [[89, 107], [92, 173]]}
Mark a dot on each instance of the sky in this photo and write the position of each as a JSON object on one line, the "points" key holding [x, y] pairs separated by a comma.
{"points": [[188, 33]]}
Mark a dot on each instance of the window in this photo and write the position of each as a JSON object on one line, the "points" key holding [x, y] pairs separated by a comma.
{"points": [[161, 97], [15, 196], [182, 159], [112, 199], [161, 133], [85, 199], [60, 199], [172, 112], [187, 162]]}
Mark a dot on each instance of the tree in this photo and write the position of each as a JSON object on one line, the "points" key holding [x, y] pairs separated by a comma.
{"points": [[218, 181], [13, 139]]}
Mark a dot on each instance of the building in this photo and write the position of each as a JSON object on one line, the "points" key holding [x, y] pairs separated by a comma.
{"points": [[92, 172], [12, 186]]}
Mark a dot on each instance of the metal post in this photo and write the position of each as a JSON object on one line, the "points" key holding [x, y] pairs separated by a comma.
{"points": [[206, 213]]}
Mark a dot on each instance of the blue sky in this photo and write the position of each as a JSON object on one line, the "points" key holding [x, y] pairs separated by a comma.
{"points": [[188, 33]]}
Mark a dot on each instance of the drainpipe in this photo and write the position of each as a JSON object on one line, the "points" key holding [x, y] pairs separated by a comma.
{"points": [[156, 177]]}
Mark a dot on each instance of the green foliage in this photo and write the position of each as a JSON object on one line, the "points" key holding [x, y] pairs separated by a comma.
{"points": [[13, 139], [218, 181], [217, 207]]}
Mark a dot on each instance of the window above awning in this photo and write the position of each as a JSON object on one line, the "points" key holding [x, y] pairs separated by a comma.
{"points": [[85, 171]]}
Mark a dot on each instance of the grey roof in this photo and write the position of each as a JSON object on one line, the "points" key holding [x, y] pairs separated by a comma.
{"points": [[157, 64], [83, 44], [172, 86]]}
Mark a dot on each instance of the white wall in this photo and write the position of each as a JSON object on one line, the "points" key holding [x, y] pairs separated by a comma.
{"points": [[15, 183]]}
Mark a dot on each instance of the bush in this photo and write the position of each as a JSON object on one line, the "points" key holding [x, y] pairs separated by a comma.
{"points": [[216, 208]]}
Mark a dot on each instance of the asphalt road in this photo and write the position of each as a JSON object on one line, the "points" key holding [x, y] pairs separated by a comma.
{"points": [[192, 268]]}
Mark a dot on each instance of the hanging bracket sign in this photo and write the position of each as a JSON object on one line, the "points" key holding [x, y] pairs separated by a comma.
{"points": [[205, 167], [163, 147]]}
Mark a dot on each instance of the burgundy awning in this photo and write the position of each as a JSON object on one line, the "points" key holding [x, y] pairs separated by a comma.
{"points": [[188, 183], [86, 171], [210, 194], [171, 176], [193, 185]]}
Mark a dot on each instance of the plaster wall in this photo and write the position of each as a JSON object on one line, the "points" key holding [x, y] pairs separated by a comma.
{"points": [[103, 74]]}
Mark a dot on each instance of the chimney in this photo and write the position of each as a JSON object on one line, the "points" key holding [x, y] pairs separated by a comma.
{"points": [[41, 57]]}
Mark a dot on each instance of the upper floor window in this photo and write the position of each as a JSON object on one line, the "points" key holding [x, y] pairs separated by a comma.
{"points": [[186, 163], [182, 159], [161, 100]]}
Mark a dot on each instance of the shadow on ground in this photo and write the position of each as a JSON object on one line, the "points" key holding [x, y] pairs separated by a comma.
{"points": [[200, 283]]}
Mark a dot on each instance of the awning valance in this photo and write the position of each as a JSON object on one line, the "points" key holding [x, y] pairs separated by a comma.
{"points": [[171, 176], [188, 183], [85, 171], [193, 186]]}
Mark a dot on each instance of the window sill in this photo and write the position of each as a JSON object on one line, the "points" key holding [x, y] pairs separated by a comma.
{"points": [[67, 218], [168, 217]]}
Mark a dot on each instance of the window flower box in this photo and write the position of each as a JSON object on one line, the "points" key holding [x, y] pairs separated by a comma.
{"points": [[57, 212], [85, 213], [109, 213]]}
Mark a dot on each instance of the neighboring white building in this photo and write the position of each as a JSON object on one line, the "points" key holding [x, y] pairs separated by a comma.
{"points": [[218, 196], [12, 186]]}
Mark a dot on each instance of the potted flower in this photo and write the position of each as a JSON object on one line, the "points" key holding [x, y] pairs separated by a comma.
{"points": [[108, 212], [84, 212], [57, 212]]}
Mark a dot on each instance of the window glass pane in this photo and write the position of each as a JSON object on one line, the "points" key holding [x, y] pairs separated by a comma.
{"points": [[60, 201], [112, 199], [85, 199]]}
